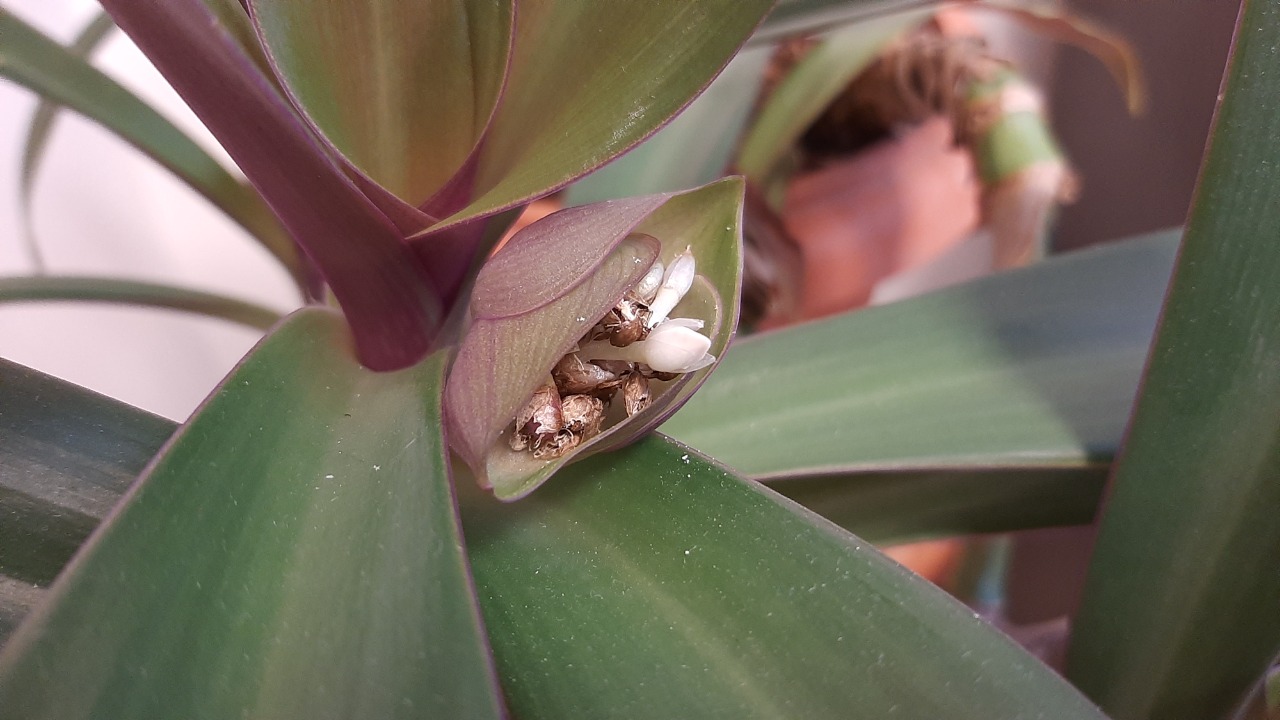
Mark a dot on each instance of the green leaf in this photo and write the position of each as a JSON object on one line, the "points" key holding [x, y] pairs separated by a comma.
{"points": [[538, 296], [1179, 616], [30, 59], [404, 90], [650, 583], [811, 86], [895, 507], [590, 80], [1031, 368], [792, 18], [47, 288], [293, 552], [694, 149], [38, 132]]}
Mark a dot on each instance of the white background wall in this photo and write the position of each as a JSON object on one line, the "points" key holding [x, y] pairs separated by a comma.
{"points": [[102, 208]]}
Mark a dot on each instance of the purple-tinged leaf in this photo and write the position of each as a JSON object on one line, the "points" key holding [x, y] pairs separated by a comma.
{"points": [[549, 285], [590, 80], [387, 298], [402, 90]]}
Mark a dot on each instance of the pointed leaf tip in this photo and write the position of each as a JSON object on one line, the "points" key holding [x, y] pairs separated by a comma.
{"points": [[525, 324]]}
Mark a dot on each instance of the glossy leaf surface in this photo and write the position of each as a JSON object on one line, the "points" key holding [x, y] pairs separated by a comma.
{"points": [[538, 295], [293, 552], [649, 583], [1180, 614], [44, 66], [1035, 367]]}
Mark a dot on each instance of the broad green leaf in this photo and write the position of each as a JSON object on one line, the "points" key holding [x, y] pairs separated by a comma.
{"points": [[404, 90], [589, 80], [1180, 612], [30, 59], [38, 132], [811, 86], [293, 552], [694, 149], [1030, 368], [47, 288], [901, 506], [394, 308], [539, 295], [649, 583]]}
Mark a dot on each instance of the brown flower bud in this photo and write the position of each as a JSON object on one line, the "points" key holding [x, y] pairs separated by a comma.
{"points": [[635, 393], [539, 421]]}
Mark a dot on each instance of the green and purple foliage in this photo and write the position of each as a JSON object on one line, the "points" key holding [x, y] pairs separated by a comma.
{"points": [[311, 542]]}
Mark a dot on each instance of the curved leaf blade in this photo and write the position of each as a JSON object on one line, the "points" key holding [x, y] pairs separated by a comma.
{"points": [[47, 288], [42, 65], [38, 132], [590, 80], [649, 583], [404, 90], [694, 149], [1033, 367], [1179, 617], [293, 552]]}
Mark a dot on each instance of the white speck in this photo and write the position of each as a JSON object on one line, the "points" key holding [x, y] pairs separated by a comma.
{"points": [[581, 319], [377, 467], [328, 477], [685, 458], [686, 552]]}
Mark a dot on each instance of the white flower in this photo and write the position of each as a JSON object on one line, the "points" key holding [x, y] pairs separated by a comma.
{"points": [[678, 280], [675, 346]]}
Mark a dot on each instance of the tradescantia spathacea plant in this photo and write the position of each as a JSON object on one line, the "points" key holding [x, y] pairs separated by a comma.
{"points": [[312, 544]]}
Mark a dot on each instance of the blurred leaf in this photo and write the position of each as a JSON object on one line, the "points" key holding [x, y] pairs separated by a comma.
{"points": [[814, 82], [891, 507], [404, 90], [30, 59], [793, 18], [40, 128], [1179, 616], [694, 149], [590, 80], [1031, 368], [66, 456], [1055, 23], [584, 259], [293, 552], [649, 583], [47, 288], [392, 305]]}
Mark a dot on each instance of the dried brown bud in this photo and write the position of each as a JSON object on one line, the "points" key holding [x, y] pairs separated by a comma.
{"points": [[626, 323], [583, 415], [652, 374], [539, 421], [573, 376], [635, 393]]}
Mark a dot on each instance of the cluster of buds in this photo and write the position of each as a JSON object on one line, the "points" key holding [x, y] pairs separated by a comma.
{"points": [[634, 343]]}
